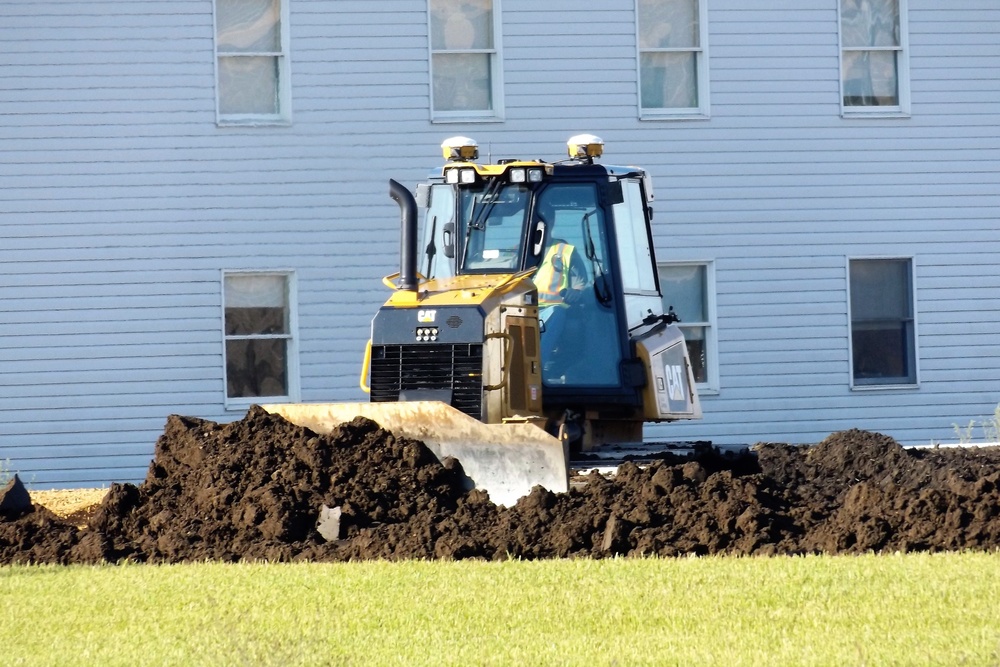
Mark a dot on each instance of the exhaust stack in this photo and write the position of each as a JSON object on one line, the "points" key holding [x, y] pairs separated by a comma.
{"points": [[408, 235]]}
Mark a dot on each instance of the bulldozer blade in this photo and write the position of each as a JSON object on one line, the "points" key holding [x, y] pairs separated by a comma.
{"points": [[505, 460]]}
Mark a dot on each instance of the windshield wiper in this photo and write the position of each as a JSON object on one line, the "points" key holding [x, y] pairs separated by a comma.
{"points": [[431, 246], [601, 289], [487, 203], [478, 221]]}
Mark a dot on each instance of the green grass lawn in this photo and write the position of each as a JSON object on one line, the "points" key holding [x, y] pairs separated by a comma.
{"points": [[871, 610]]}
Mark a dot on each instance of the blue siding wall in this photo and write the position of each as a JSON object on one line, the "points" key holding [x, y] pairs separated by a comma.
{"points": [[779, 191], [122, 201]]}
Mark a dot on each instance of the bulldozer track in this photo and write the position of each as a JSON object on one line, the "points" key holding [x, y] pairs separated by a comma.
{"points": [[640, 453]]}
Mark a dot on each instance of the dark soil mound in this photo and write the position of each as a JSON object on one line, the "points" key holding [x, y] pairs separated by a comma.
{"points": [[255, 489], [36, 537]]}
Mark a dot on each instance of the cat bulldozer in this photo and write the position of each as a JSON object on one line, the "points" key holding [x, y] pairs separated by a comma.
{"points": [[525, 323]]}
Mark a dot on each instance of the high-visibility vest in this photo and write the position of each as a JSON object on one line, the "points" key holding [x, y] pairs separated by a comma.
{"points": [[551, 279]]}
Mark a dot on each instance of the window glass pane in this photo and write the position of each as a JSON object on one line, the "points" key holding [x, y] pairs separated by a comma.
{"points": [[462, 82], [633, 242], [575, 297], [697, 346], [685, 288], [573, 216], [870, 78], [461, 25], [669, 80], [248, 85], [254, 321], [880, 289], [255, 290], [869, 23], [256, 367], [495, 226], [248, 26], [882, 352], [256, 305], [433, 261], [667, 24]]}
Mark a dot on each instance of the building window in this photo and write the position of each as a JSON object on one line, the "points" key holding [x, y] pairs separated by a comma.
{"points": [[466, 77], [673, 63], [252, 74], [883, 336], [874, 74], [689, 288], [259, 341]]}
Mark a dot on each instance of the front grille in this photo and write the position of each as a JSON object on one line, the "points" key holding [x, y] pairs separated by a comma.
{"points": [[456, 369]]}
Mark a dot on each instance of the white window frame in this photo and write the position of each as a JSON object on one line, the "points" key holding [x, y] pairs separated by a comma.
{"points": [[711, 383], [493, 115], [902, 50], [864, 385], [703, 110], [284, 92], [292, 336]]}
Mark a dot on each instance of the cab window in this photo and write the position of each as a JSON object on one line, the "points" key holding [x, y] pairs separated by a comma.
{"points": [[493, 221]]}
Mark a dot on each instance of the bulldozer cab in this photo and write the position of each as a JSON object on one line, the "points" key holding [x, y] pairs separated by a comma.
{"points": [[509, 218], [500, 218]]}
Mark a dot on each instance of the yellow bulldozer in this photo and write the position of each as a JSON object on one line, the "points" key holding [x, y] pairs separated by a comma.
{"points": [[525, 322]]}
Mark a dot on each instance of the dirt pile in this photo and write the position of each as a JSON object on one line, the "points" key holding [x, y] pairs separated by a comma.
{"points": [[256, 488]]}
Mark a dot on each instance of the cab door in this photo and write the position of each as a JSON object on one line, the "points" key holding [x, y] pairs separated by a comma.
{"points": [[582, 334]]}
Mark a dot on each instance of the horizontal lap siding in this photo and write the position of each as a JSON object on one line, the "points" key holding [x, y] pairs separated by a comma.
{"points": [[122, 202], [786, 190]]}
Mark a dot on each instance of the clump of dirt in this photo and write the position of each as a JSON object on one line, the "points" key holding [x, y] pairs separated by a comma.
{"points": [[256, 490]]}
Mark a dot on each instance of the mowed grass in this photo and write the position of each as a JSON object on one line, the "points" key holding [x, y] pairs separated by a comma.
{"points": [[870, 610]]}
